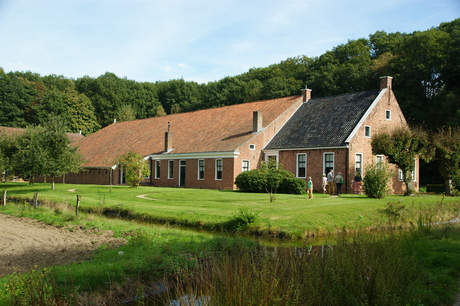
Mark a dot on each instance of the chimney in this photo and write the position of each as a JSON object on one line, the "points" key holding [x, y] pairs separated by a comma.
{"points": [[168, 139], [256, 121], [386, 82], [306, 94]]}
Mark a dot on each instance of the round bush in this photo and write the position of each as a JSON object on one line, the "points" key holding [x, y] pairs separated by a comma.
{"points": [[253, 181]]}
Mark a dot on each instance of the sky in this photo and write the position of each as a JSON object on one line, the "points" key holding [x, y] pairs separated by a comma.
{"points": [[196, 40]]}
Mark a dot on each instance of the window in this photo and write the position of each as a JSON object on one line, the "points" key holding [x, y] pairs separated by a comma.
{"points": [[157, 169], [201, 169], [401, 176], [359, 163], [170, 169], [302, 165], [328, 162], [245, 165], [388, 114], [252, 147], [379, 159], [218, 169], [367, 131]]}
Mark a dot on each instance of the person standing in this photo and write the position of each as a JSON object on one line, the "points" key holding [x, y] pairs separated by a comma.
{"points": [[357, 183], [339, 183], [324, 183], [310, 188], [330, 181]]}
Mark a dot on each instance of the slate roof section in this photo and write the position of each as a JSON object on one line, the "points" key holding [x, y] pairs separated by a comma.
{"points": [[323, 122], [222, 129]]}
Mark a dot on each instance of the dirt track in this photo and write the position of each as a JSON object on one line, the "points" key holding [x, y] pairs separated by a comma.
{"points": [[26, 243]]}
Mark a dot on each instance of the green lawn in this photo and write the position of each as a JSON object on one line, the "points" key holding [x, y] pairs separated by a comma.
{"points": [[294, 215]]}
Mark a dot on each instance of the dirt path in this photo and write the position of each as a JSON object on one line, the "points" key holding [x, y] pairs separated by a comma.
{"points": [[26, 243]]}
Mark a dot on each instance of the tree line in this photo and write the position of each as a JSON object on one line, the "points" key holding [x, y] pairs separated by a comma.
{"points": [[424, 64]]}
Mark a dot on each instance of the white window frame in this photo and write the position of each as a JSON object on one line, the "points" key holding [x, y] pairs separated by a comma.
{"points": [[324, 161], [379, 159], [367, 131], [170, 169], [361, 168], [252, 147], [199, 169], [298, 165], [246, 167], [414, 178], [388, 114], [157, 169], [221, 166]]}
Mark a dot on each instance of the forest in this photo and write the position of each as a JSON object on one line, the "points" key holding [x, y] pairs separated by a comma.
{"points": [[425, 66]]}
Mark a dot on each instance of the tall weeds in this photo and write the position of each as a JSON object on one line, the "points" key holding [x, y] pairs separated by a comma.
{"points": [[365, 270]]}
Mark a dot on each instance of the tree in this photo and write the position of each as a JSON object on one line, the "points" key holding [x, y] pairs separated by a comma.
{"points": [[447, 146], [134, 168], [271, 177], [8, 148], [402, 146], [31, 156], [62, 158]]}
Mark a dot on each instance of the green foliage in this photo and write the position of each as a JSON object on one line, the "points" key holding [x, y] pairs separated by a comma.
{"points": [[241, 221], [38, 287], [402, 147], [447, 148], [376, 180], [134, 168], [266, 180]]}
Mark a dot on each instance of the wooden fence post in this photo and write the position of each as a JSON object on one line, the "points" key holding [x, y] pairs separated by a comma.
{"points": [[78, 204], [4, 198], [35, 200]]}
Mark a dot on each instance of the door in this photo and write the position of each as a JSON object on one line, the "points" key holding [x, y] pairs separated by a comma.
{"points": [[182, 172]]}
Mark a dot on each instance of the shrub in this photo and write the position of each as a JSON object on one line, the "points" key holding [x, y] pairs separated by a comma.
{"points": [[376, 180], [250, 181], [253, 181], [292, 185], [240, 221]]}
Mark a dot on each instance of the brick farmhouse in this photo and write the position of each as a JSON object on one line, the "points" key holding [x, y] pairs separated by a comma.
{"points": [[209, 148]]}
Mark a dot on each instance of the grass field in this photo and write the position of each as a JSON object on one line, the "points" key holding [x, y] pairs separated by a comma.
{"points": [[423, 261], [290, 215]]}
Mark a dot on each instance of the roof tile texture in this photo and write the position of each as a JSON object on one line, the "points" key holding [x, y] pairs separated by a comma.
{"points": [[221, 129], [324, 122]]}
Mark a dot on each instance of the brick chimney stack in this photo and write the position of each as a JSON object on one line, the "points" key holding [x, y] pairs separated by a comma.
{"points": [[306, 94], [386, 82]]}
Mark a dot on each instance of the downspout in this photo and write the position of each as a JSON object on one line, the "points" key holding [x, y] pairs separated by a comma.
{"points": [[347, 176]]}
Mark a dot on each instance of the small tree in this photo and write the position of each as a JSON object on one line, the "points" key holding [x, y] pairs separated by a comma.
{"points": [[402, 146], [134, 168], [8, 148], [272, 177], [62, 157], [376, 180], [447, 146], [31, 157]]}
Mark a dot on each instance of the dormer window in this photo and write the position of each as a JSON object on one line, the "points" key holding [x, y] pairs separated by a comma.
{"points": [[252, 147]]}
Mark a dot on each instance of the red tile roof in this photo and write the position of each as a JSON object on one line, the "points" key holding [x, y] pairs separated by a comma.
{"points": [[73, 137], [221, 129]]}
